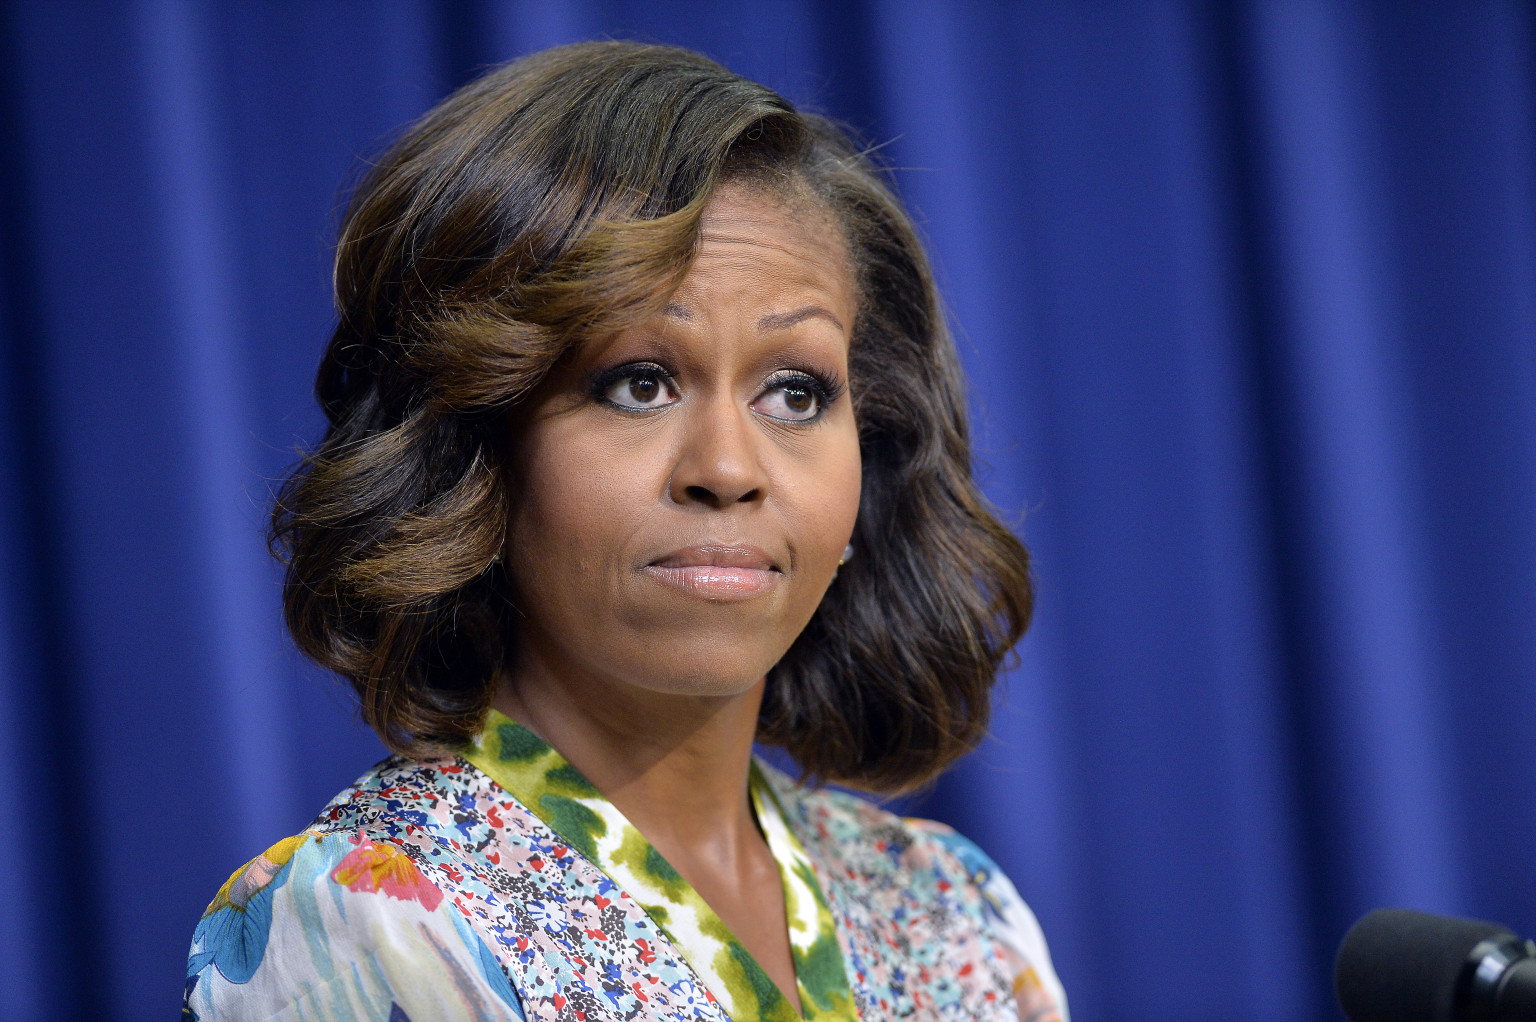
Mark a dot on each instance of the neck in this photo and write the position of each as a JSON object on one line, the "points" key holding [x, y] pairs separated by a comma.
{"points": [[676, 766]]}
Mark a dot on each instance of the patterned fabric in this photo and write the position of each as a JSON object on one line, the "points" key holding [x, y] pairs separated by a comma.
{"points": [[500, 885], [334, 926], [541, 779]]}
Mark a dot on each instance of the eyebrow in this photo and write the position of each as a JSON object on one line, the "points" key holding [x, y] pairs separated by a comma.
{"points": [[785, 320], [772, 321]]}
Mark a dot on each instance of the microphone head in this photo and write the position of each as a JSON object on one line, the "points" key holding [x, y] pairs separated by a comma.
{"points": [[1398, 965]]}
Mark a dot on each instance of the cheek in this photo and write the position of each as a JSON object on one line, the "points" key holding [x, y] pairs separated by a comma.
{"points": [[828, 504], [844, 495], [572, 509]]}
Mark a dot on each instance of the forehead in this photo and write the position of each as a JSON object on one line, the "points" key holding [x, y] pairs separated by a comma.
{"points": [[783, 240]]}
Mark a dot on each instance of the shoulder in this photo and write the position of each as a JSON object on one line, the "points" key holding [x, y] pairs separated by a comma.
{"points": [[1014, 925], [402, 794], [340, 921], [932, 869], [872, 843]]}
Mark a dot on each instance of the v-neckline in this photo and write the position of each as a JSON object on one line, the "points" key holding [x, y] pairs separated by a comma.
{"points": [[554, 791]]}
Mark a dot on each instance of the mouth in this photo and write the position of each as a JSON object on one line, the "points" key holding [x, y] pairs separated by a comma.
{"points": [[718, 572]]}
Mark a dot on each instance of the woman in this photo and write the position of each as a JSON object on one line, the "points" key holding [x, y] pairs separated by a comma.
{"points": [[646, 442]]}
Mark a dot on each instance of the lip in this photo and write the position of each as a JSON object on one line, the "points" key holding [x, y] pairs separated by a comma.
{"points": [[721, 572]]}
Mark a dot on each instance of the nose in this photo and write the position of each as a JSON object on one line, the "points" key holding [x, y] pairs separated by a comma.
{"points": [[719, 462]]}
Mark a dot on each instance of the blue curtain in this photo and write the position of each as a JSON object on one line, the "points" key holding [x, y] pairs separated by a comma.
{"points": [[1248, 297]]}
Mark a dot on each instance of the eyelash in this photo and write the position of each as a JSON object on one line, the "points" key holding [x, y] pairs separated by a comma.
{"points": [[827, 387]]}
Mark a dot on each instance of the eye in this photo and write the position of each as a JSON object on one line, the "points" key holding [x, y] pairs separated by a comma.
{"points": [[793, 397], [637, 387]]}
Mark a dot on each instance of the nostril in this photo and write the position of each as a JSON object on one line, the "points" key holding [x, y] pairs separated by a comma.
{"points": [[704, 495]]}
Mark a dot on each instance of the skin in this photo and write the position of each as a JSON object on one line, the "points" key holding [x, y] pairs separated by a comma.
{"points": [[648, 683]]}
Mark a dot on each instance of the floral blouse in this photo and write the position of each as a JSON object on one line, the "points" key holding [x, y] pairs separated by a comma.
{"points": [[499, 884]]}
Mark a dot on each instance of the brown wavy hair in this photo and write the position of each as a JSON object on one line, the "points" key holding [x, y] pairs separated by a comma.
{"points": [[556, 199]]}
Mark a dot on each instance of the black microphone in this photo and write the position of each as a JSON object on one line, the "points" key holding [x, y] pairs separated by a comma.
{"points": [[1397, 965]]}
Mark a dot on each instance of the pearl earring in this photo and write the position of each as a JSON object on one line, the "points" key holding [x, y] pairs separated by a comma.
{"points": [[847, 555]]}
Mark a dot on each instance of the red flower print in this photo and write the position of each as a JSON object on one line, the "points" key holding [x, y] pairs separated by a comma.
{"points": [[384, 867]]}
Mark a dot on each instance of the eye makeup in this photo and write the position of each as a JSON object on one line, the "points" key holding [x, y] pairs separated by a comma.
{"points": [[649, 378], [823, 388], [601, 383]]}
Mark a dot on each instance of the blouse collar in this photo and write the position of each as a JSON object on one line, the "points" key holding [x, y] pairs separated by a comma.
{"points": [[541, 779]]}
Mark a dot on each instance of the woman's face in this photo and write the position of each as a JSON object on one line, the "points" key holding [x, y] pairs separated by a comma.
{"points": [[682, 492]]}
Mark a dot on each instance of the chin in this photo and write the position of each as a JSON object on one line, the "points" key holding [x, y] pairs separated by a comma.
{"points": [[709, 668], [725, 647], [701, 687]]}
